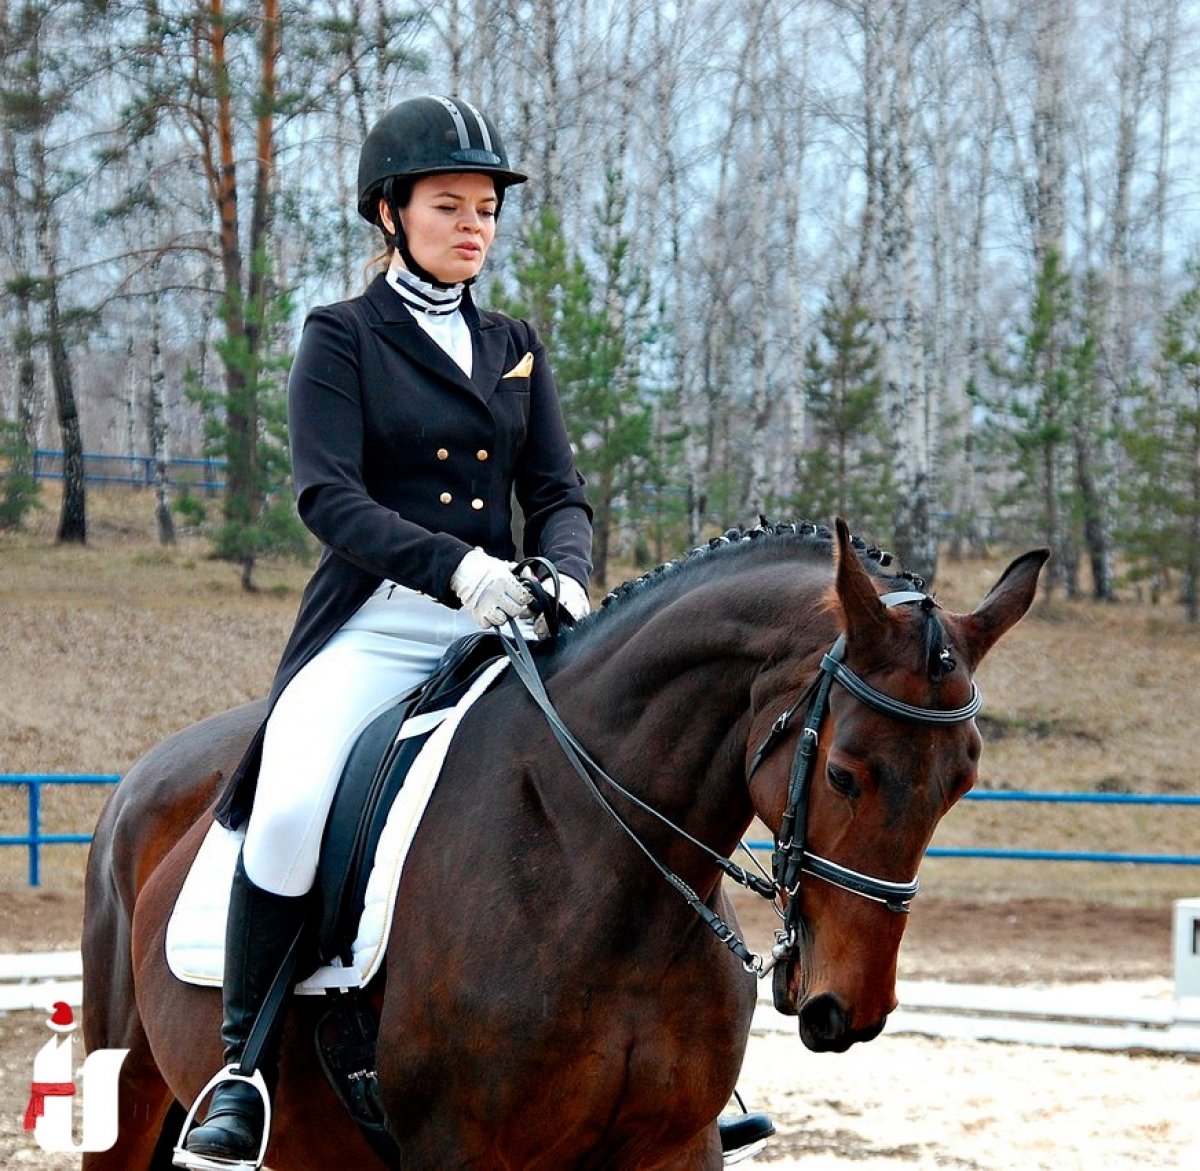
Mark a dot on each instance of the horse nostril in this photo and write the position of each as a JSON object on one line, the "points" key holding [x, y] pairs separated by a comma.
{"points": [[823, 1024]]}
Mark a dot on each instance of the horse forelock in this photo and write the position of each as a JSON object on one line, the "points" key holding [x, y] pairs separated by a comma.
{"points": [[937, 652], [931, 654]]}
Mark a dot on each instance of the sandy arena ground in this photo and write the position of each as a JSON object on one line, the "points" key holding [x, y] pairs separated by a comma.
{"points": [[901, 1101]]}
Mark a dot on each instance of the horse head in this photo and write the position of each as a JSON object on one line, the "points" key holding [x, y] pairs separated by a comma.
{"points": [[889, 745]]}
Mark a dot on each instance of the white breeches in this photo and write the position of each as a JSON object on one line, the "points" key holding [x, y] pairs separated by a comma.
{"points": [[391, 643]]}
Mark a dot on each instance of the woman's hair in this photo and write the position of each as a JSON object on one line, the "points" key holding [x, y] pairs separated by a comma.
{"points": [[379, 263], [399, 191]]}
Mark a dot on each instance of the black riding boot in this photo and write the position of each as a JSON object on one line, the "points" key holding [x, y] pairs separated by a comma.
{"points": [[261, 929], [743, 1134]]}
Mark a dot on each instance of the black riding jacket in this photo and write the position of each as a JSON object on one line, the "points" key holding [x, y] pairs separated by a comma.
{"points": [[402, 463]]}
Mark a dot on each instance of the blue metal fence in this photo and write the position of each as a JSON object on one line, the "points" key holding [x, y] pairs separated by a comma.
{"points": [[1074, 855], [205, 475], [35, 839]]}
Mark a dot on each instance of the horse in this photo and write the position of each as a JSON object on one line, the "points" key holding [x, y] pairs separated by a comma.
{"points": [[548, 999]]}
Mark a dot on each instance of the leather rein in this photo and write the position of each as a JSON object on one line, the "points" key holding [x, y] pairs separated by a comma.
{"points": [[791, 858]]}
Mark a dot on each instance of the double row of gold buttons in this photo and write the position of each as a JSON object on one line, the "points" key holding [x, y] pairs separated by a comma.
{"points": [[446, 497]]}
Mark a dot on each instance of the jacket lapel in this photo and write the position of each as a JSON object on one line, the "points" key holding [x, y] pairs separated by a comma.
{"points": [[399, 326], [491, 349]]}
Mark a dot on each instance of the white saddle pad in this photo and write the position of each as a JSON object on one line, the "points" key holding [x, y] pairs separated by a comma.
{"points": [[196, 930]]}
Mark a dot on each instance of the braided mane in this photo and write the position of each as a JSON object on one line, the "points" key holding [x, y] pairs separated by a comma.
{"points": [[732, 552], [817, 537]]}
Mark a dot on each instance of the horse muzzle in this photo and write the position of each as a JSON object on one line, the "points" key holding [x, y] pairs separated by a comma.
{"points": [[823, 1019], [825, 1026]]}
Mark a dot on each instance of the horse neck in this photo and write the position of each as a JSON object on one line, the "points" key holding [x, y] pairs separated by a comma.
{"points": [[668, 708]]}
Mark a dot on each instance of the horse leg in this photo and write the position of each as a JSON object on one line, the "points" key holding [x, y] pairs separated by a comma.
{"points": [[143, 1099], [111, 1021], [143, 1105]]}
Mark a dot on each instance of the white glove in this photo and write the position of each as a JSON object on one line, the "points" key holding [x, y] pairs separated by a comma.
{"points": [[572, 597], [487, 587]]}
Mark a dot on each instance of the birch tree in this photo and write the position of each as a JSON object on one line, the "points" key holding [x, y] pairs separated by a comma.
{"points": [[758, 185], [37, 104], [20, 434], [911, 409], [664, 131]]}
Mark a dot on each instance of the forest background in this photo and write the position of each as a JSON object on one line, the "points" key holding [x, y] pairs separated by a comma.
{"points": [[931, 264]]}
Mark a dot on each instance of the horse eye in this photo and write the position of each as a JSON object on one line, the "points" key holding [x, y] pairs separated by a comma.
{"points": [[842, 780]]}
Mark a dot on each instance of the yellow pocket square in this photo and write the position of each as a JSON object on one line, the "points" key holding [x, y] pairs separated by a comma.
{"points": [[523, 369]]}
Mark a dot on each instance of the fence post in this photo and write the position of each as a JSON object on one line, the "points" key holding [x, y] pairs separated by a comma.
{"points": [[35, 832]]}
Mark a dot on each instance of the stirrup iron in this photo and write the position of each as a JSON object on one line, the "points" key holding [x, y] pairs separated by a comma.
{"points": [[191, 1161]]}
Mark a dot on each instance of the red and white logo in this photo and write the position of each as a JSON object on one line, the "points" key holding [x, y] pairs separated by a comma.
{"points": [[50, 1112]]}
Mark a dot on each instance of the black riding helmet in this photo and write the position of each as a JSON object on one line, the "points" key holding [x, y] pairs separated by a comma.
{"points": [[422, 136]]}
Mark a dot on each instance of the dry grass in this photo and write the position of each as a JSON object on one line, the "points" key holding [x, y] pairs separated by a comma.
{"points": [[108, 649]]}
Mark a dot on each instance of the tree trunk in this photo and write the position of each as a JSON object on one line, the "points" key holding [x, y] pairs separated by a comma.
{"points": [[965, 502], [240, 421], [1162, 171], [758, 319], [1095, 512], [863, 290], [20, 485], [1191, 570], [793, 133], [246, 292], [156, 420], [72, 518], [909, 404]]}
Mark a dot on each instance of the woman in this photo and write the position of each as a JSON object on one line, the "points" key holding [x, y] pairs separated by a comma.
{"points": [[414, 418]]}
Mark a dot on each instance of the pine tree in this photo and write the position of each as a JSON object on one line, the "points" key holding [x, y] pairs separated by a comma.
{"points": [[1030, 425], [1163, 445], [260, 518], [589, 327], [845, 472]]}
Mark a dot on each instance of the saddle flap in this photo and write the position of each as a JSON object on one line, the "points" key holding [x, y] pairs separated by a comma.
{"points": [[372, 776]]}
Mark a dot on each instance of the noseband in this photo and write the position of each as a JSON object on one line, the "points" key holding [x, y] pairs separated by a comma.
{"points": [[791, 857]]}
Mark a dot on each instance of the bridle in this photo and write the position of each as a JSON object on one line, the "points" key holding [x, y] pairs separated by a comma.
{"points": [[791, 857]]}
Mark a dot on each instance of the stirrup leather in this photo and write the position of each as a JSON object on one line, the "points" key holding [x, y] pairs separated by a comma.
{"points": [[194, 1162]]}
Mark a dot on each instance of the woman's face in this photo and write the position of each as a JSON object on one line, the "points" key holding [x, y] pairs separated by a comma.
{"points": [[450, 222]]}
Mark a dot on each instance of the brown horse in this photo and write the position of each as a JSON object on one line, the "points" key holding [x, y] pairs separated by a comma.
{"points": [[548, 1000]]}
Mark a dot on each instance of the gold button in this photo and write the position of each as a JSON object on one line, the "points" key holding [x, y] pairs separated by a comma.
{"points": [[481, 455], [477, 504], [442, 453], [445, 497]]}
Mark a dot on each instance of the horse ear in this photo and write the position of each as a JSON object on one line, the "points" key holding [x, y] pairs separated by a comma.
{"points": [[861, 608], [1005, 605]]}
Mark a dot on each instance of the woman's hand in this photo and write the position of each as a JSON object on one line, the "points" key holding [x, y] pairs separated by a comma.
{"points": [[572, 597], [487, 587]]}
